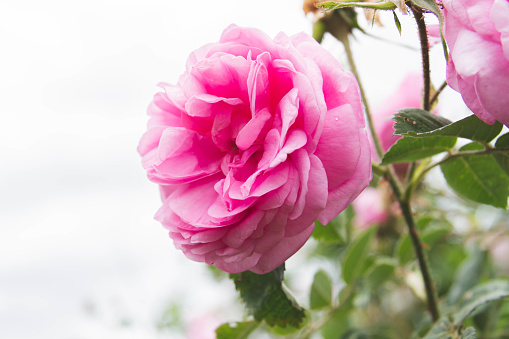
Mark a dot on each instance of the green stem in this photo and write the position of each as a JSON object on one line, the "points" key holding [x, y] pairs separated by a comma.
{"points": [[377, 169], [417, 178], [437, 93], [423, 37], [341, 33]]}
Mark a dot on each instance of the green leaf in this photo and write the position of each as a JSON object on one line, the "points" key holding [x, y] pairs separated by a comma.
{"points": [[381, 271], [442, 329], [478, 178], [235, 330], [469, 333], [413, 121], [467, 275], [337, 230], [432, 234], [355, 334], [404, 250], [409, 149], [337, 324], [479, 295], [266, 299], [503, 158], [418, 123], [396, 21], [355, 257], [383, 5], [321, 291]]}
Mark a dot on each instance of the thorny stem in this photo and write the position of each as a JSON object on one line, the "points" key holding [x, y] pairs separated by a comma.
{"points": [[423, 37], [426, 276]]}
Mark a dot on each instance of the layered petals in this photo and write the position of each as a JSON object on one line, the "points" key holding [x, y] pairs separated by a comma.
{"points": [[477, 33], [258, 139]]}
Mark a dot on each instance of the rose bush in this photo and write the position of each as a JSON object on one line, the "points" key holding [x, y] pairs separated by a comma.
{"points": [[259, 138], [477, 32]]}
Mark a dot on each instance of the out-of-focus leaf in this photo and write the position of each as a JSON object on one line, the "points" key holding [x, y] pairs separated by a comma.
{"points": [[266, 299], [355, 334], [355, 257], [479, 295], [381, 271], [503, 158], [337, 230], [383, 5], [467, 275], [442, 329], [469, 333], [409, 149], [478, 178], [418, 123], [337, 324], [235, 330], [431, 235], [404, 250], [321, 291]]}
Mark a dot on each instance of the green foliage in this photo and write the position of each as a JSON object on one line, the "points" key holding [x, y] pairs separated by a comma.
{"points": [[479, 295], [415, 121], [320, 295], [382, 270], [408, 149], [236, 330], [503, 157], [478, 178], [467, 275], [338, 230], [355, 258], [419, 123], [266, 299], [442, 329], [382, 5], [469, 333]]}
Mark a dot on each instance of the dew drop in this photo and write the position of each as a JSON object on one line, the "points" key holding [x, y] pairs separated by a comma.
{"points": [[336, 118]]}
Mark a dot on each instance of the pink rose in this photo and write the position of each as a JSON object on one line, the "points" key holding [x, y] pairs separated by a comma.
{"points": [[259, 138], [370, 208], [408, 95], [477, 32]]}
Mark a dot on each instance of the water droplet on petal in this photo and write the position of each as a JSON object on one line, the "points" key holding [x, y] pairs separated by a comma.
{"points": [[336, 118]]}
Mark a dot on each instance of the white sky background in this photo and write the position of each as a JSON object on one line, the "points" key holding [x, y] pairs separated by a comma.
{"points": [[79, 251]]}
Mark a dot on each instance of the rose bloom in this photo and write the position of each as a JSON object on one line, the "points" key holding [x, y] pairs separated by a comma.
{"points": [[259, 138], [370, 208], [477, 32]]}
